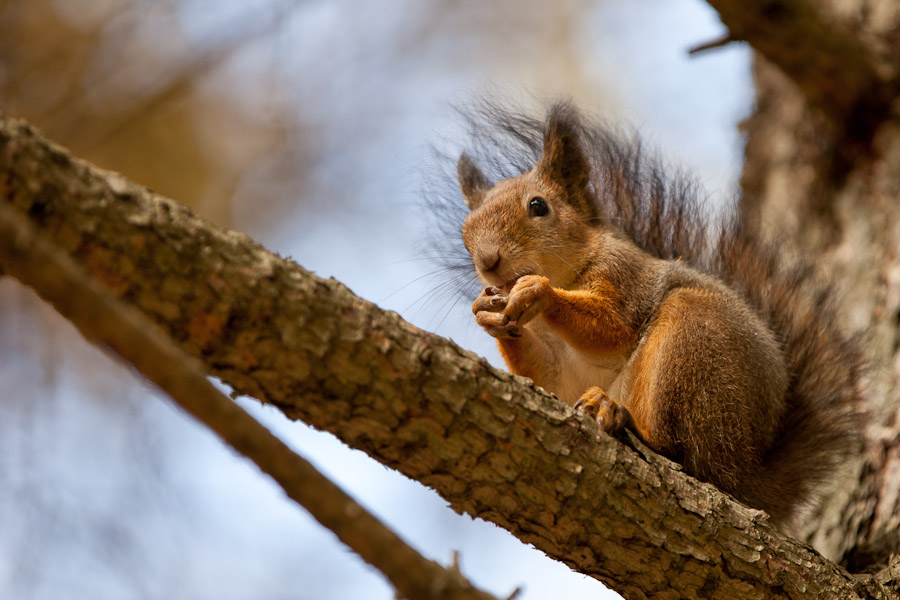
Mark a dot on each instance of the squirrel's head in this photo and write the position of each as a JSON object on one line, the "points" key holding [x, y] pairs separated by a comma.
{"points": [[539, 222]]}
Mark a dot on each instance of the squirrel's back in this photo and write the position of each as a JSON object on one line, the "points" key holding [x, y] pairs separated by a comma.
{"points": [[664, 213]]}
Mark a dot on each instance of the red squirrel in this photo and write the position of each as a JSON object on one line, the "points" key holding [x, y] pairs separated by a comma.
{"points": [[603, 284]]}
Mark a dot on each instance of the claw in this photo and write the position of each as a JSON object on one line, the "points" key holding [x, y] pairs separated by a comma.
{"points": [[611, 416]]}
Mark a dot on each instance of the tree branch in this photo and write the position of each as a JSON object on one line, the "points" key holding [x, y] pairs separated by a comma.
{"points": [[109, 322], [488, 442]]}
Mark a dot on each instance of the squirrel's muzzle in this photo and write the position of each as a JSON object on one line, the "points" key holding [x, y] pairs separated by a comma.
{"points": [[487, 259]]}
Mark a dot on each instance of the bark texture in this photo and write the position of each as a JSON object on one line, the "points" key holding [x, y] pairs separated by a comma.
{"points": [[487, 441]]}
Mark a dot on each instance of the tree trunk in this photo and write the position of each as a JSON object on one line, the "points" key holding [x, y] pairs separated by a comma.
{"points": [[824, 178]]}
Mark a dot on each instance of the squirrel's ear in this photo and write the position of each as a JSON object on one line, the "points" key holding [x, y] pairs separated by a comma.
{"points": [[472, 181], [563, 160]]}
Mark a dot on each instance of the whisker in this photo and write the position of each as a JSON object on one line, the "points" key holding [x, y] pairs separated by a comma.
{"points": [[430, 274]]}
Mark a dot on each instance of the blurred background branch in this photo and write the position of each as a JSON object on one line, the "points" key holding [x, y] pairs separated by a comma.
{"points": [[25, 253]]}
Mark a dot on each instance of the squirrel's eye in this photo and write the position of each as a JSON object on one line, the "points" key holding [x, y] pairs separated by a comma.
{"points": [[537, 207]]}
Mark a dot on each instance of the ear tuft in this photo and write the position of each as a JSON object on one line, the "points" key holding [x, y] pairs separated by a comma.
{"points": [[472, 181], [563, 160]]}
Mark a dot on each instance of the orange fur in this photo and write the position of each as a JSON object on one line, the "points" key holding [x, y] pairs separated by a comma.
{"points": [[590, 320], [521, 359]]}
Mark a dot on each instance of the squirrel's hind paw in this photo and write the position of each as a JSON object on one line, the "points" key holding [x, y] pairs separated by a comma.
{"points": [[611, 416]]}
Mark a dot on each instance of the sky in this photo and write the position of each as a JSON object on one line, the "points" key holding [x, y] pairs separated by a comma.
{"points": [[377, 85]]}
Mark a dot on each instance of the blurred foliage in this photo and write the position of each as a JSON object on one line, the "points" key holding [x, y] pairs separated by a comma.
{"points": [[121, 84]]}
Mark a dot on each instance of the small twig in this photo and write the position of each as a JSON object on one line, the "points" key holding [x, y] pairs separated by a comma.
{"points": [[27, 256], [712, 44], [515, 594]]}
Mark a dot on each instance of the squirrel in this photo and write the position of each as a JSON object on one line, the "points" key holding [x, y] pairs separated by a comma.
{"points": [[604, 284]]}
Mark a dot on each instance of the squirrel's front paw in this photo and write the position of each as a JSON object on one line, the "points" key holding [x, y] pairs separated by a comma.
{"points": [[528, 298], [611, 416], [488, 308], [489, 300], [497, 324]]}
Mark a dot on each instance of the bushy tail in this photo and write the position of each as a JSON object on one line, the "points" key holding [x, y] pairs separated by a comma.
{"points": [[826, 368]]}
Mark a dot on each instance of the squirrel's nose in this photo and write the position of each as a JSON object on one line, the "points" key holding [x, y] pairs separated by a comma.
{"points": [[487, 260]]}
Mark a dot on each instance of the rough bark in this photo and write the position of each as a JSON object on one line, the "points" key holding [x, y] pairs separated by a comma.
{"points": [[847, 218], [487, 441]]}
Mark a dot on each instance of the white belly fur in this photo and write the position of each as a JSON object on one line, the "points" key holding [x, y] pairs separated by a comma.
{"points": [[576, 371]]}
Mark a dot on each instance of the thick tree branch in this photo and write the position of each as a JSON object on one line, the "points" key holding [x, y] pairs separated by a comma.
{"points": [[487, 441], [124, 330]]}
